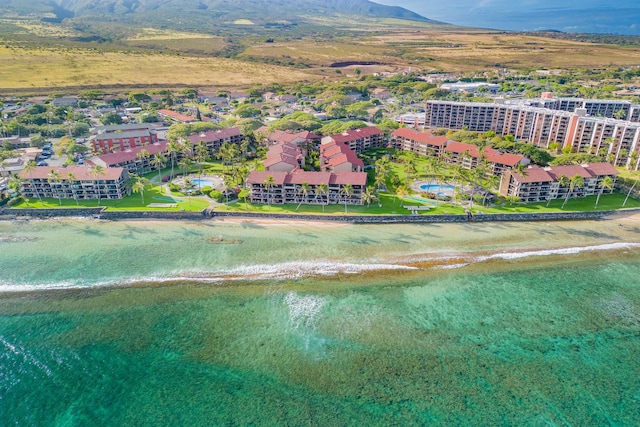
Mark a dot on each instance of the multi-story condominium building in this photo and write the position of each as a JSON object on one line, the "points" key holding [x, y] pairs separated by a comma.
{"points": [[284, 157], [338, 158], [542, 126], [619, 109], [358, 140], [466, 155], [285, 187], [542, 184], [137, 160], [473, 116], [469, 157], [214, 139], [424, 143], [107, 139], [75, 182]]}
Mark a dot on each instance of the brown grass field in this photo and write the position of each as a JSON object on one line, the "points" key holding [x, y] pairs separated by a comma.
{"points": [[24, 67], [54, 68]]}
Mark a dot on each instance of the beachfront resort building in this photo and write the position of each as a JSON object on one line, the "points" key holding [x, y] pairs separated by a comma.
{"points": [[307, 187], [214, 139], [537, 184], [617, 140], [359, 140], [423, 143], [468, 156], [74, 182], [284, 157], [138, 160], [337, 157], [108, 139]]}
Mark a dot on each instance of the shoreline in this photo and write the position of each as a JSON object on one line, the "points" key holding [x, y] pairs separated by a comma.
{"points": [[631, 214]]}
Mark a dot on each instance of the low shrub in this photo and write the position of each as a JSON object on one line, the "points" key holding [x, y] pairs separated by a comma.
{"points": [[216, 195]]}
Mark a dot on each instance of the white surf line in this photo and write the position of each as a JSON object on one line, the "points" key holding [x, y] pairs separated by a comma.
{"points": [[561, 251]]}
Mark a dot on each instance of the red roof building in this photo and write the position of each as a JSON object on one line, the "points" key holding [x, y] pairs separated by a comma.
{"points": [[74, 182], [359, 140], [109, 139], [176, 116], [537, 184], [214, 139], [339, 158], [306, 187], [284, 157], [423, 143], [132, 159]]}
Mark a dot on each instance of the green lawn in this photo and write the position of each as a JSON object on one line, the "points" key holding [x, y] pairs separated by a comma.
{"points": [[587, 204], [390, 206], [153, 194]]}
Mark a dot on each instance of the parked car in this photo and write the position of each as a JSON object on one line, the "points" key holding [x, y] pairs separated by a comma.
{"points": [[42, 163]]}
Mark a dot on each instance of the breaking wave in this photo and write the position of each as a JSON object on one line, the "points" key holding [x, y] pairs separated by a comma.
{"points": [[301, 269]]}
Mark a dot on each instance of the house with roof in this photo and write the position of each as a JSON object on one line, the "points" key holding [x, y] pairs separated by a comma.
{"points": [[538, 184], [381, 93], [339, 158], [287, 187], [359, 140], [131, 159], [178, 117], [74, 182], [11, 166]]}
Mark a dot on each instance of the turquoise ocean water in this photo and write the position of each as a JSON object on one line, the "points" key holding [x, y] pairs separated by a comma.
{"points": [[240, 323]]}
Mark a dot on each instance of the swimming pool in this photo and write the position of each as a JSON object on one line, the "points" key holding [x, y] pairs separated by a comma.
{"points": [[199, 182], [433, 188]]}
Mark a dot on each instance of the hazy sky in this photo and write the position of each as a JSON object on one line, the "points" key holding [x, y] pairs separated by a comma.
{"points": [[619, 16]]}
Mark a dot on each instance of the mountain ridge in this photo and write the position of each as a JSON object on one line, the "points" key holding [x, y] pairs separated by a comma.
{"points": [[257, 11]]}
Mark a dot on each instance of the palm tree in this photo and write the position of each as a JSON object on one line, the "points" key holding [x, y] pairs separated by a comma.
{"points": [[202, 155], [244, 193], [382, 171], [72, 181], [322, 190], [304, 192], [574, 181], [139, 186], [346, 191], [172, 149], [629, 193], [54, 178], [184, 164], [95, 171], [402, 191], [142, 155], [368, 196], [268, 183], [158, 162], [29, 167], [607, 182]]}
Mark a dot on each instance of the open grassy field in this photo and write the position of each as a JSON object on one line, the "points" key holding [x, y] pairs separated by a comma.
{"points": [[39, 55], [62, 68], [452, 50]]}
